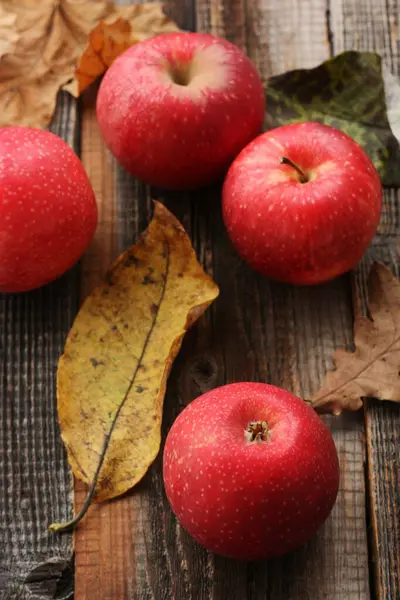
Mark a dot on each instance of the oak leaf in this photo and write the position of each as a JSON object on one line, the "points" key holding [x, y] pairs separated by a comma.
{"points": [[112, 376], [44, 43], [373, 369]]}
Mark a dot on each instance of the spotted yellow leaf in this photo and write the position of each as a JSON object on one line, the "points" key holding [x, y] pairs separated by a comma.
{"points": [[119, 352]]}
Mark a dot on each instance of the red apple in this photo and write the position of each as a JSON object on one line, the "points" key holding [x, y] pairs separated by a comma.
{"points": [[48, 212], [250, 470], [302, 202], [176, 109]]}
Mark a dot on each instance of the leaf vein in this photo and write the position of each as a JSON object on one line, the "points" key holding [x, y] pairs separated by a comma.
{"points": [[360, 372]]}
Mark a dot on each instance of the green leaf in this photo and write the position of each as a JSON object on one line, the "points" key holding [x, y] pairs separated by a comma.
{"points": [[346, 92]]}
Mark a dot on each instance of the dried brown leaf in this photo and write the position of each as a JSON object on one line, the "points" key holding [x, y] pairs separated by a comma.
{"points": [[8, 33], [106, 43], [45, 45], [373, 369], [109, 39]]}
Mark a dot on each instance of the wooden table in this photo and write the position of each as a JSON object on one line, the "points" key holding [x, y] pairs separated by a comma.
{"points": [[133, 549]]}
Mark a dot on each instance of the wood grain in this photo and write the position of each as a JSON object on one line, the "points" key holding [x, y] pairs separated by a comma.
{"points": [[100, 560], [35, 484], [101, 170], [374, 25]]}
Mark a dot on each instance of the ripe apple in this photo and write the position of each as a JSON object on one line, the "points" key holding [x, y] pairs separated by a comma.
{"points": [[176, 109], [250, 470], [302, 202], [48, 211]]}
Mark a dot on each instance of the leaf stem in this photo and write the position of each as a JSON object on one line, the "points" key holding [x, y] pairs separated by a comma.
{"points": [[286, 161], [63, 527]]}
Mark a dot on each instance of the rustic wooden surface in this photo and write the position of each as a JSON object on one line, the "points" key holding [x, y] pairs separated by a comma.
{"points": [[133, 549], [374, 25], [35, 482]]}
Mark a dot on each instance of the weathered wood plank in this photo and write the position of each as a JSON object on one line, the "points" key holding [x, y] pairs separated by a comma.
{"points": [[374, 25], [383, 439], [35, 483], [292, 333], [101, 170], [107, 544], [96, 555]]}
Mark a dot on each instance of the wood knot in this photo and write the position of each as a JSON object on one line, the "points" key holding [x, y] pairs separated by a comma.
{"points": [[202, 374], [52, 579]]}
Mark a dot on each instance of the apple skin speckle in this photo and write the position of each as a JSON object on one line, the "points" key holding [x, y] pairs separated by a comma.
{"points": [[176, 109], [302, 233], [250, 499], [48, 212]]}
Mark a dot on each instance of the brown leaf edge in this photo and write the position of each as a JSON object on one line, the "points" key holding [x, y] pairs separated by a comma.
{"points": [[106, 42], [114, 34], [319, 404], [160, 212]]}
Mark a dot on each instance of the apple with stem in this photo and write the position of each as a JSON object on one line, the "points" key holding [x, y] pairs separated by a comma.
{"points": [[48, 212], [250, 470], [302, 203], [177, 108]]}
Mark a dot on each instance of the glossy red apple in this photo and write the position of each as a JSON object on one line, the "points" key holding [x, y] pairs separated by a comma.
{"points": [[176, 109], [48, 212], [302, 202], [250, 470]]}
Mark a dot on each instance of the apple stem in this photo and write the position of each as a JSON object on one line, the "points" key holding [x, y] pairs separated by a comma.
{"points": [[257, 431], [286, 161]]}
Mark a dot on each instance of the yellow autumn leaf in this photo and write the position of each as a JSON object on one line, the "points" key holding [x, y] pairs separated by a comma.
{"points": [[42, 44], [112, 376]]}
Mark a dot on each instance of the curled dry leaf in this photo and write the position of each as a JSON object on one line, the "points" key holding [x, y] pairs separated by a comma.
{"points": [[109, 39], [8, 32], [106, 43], [373, 369], [45, 41], [112, 376]]}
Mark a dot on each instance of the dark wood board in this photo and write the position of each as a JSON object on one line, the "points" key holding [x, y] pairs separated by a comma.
{"points": [[374, 25], [35, 482]]}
